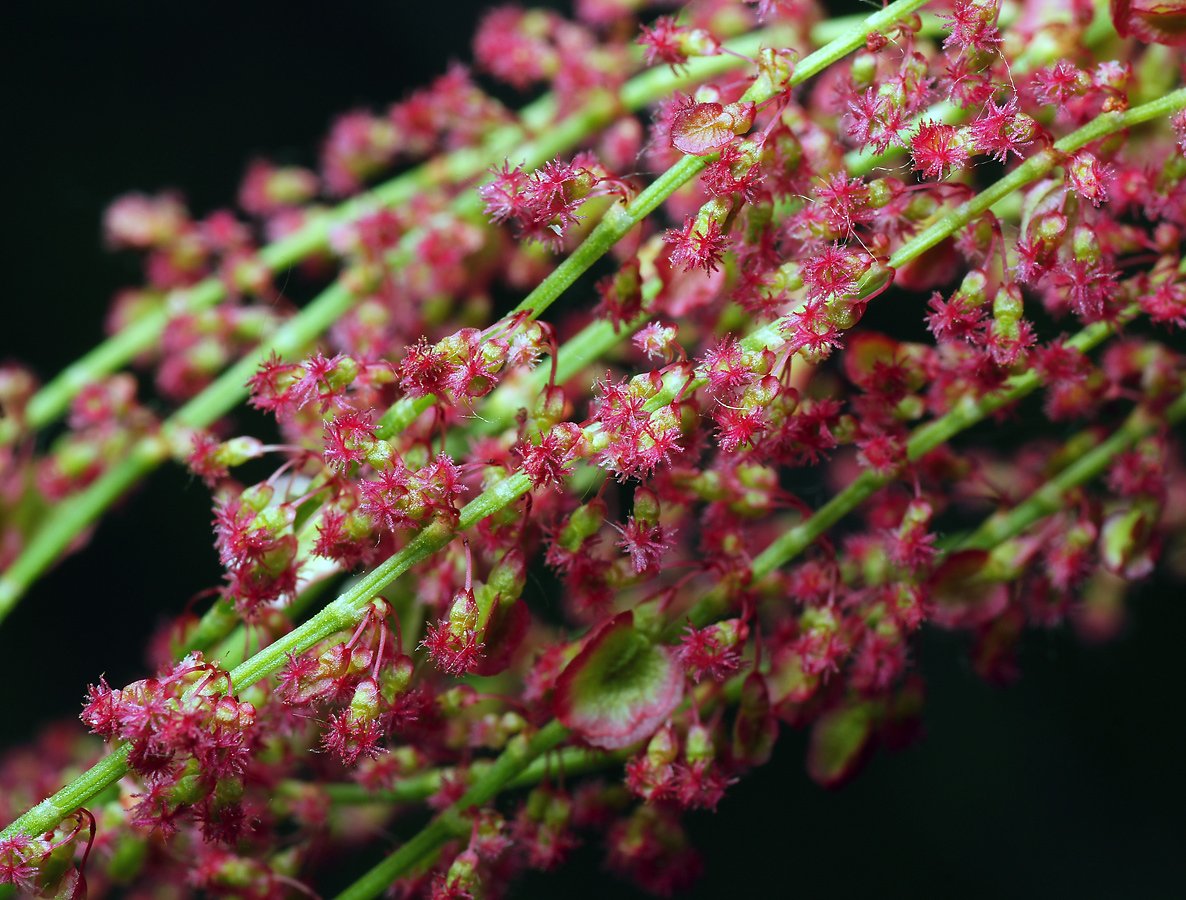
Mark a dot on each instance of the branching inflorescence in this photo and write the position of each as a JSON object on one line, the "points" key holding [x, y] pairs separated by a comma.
{"points": [[755, 196]]}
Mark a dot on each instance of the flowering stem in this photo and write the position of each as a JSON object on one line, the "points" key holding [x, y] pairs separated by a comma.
{"points": [[419, 787], [923, 440], [345, 611], [342, 613], [500, 408], [1034, 168], [509, 766], [47, 814], [455, 167], [619, 220], [1048, 499], [73, 515]]}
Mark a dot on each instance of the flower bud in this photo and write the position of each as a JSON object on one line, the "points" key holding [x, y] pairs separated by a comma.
{"points": [[699, 744], [774, 75], [1127, 543], [583, 523], [663, 747], [755, 729], [257, 496], [509, 575], [1085, 245]]}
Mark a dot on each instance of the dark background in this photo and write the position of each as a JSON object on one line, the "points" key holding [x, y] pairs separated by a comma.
{"points": [[1068, 784]]}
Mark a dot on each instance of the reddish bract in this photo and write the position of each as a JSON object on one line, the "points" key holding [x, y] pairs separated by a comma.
{"points": [[705, 127], [1151, 21], [619, 688]]}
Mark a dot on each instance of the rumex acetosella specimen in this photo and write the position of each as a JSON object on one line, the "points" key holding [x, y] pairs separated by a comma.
{"points": [[747, 179]]}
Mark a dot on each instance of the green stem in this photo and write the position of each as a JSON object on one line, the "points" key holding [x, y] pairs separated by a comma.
{"points": [[72, 516], [1033, 169], [509, 766], [1048, 499], [456, 167], [45, 547], [995, 530], [48, 814], [619, 220], [589, 344], [345, 610], [416, 788], [923, 440]]}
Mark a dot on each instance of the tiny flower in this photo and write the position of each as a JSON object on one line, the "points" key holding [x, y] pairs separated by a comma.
{"points": [[657, 340], [670, 43], [699, 244], [973, 24], [17, 861], [937, 149], [453, 642], [714, 651], [1089, 177], [645, 543], [141, 222]]}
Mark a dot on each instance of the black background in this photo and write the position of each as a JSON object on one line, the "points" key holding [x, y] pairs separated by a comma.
{"points": [[1071, 783]]}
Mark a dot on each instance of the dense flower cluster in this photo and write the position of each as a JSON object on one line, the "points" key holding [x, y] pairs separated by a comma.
{"points": [[636, 451]]}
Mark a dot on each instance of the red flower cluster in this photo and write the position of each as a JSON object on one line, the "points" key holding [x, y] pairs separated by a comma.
{"points": [[638, 587]]}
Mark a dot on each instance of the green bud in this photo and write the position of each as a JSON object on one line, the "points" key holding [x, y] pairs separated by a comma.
{"points": [[191, 789], [663, 747], [583, 523], [882, 191], [973, 290], [395, 679], [1008, 304], [257, 496], [509, 576], [774, 75], [1085, 244], [380, 454], [699, 744], [343, 373], [455, 699], [863, 70], [646, 506], [229, 790], [549, 407]]}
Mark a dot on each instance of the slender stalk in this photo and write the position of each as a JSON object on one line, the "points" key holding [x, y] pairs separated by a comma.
{"points": [[1033, 169], [951, 221], [220, 620], [922, 441], [1048, 499], [457, 167], [1043, 502], [421, 786], [344, 611], [619, 220], [74, 515], [56, 535], [79, 512], [509, 766]]}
